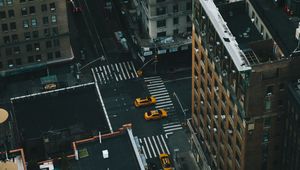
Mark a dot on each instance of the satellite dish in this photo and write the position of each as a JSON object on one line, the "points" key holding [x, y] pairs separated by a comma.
{"points": [[3, 115]]}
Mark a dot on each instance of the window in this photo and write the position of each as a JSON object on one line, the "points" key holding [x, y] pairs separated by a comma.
{"points": [[281, 86], [52, 6], [36, 46], [24, 11], [35, 34], [13, 26], [2, 14], [9, 2], [10, 63], [53, 18], [48, 44], [175, 8], [30, 59], [1, 2], [175, 21], [161, 23], [267, 122], [8, 51], [31, 10], [11, 13], [46, 32], [33, 22], [43, 7], [25, 23], [38, 58], [188, 6], [161, 11], [55, 31], [175, 31], [15, 38], [57, 54], [56, 42], [188, 19], [6, 39], [1, 65], [17, 50], [18, 61], [45, 20], [4, 27], [27, 35], [269, 90], [29, 47], [161, 34], [49, 56]]}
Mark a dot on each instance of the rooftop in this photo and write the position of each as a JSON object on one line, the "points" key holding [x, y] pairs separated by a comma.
{"points": [[239, 23], [121, 154], [227, 38], [280, 24]]}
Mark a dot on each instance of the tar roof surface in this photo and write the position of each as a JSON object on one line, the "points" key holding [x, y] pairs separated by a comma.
{"points": [[239, 23], [60, 110], [281, 26], [120, 150]]}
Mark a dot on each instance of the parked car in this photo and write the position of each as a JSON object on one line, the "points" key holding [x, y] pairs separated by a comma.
{"points": [[155, 114], [165, 161], [138, 102]]}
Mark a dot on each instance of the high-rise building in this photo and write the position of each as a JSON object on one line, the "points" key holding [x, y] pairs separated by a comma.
{"points": [[164, 25], [291, 154], [243, 60], [34, 33]]}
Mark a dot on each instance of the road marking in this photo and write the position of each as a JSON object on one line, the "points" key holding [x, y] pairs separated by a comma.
{"points": [[164, 99], [161, 103], [153, 82], [117, 67], [154, 79], [151, 146], [155, 145], [106, 75], [161, 91], [171, 126], [149, 85], [168, 134], [122, 71], [171, 123], [167, 108], [153, 90], [103, 77], [161, 106], [126, 70], [162, 94], [154, 87], [174, 129], [129, 66], [116, 77], [134, 69], [120, 76], [150, 156], [111, 77], [147, 78], [162, 137], [162, 148]]}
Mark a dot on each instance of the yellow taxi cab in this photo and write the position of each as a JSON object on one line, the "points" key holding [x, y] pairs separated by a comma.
{"points": [[155, 114], [50, 86], [165, 161], [138, 102]]}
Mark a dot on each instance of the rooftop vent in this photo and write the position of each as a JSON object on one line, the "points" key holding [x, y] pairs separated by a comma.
{"points": [[105, 154]]}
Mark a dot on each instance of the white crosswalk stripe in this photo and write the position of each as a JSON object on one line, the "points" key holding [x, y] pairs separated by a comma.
{"points": [[154, 90], [153, 146], [114, 72], [171, 127]]}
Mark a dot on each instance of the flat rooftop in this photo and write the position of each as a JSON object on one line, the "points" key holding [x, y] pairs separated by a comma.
{"points": [[281, 25], [120, 155], [239, 23], [52, 112]]}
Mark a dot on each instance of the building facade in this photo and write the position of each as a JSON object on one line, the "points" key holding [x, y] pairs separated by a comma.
{"points": [[291, 155], [33, 34], [239, 83]]}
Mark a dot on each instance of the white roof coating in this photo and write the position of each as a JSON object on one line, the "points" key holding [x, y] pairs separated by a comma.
{"points": [[226, 36]]}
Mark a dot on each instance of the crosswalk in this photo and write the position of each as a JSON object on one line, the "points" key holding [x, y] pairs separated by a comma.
{"points": [[152, 146], [115, 72], [157, 89], [169, 128]]}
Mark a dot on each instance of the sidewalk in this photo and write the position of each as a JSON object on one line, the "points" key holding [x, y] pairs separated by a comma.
{"points": [[180, 150]]}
